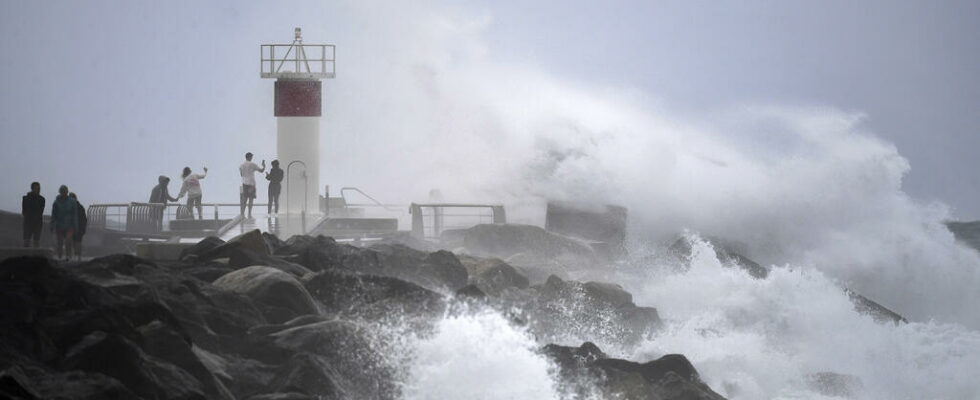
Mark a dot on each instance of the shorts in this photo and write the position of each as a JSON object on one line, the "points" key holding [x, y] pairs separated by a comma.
{"points": [[61, 234], [248, 191], [192, 201], [32, 232]]}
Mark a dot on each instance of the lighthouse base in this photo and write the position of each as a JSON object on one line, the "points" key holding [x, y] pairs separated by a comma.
{"points": [[298, 145]]}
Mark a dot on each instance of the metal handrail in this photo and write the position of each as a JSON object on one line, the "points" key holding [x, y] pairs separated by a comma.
{"points": [[376, 202], [497, 216]]}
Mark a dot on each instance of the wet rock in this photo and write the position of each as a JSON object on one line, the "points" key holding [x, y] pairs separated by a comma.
{"points": [[471, 292], [271, 287], [492, 275], [272, 242], [672, 377], [371, 296], [880, 313], [161, 341], [285, 396], [527, 245], [726, 255], [242, 258], [119, 358], [308, 374], [30, 382], [602, 311], [202, 247], [358, 366], [440, 270]]}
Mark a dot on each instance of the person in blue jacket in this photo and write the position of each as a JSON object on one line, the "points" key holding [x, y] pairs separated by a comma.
{"points": [[64, 222]]}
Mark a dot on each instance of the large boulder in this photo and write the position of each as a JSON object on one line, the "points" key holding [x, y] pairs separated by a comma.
{"points": [[564, 310], [440, 270], [371, 296], [271, 287], [672, 377], [32, 382], [492, 275], [726, 254], [356, 366], [121, 359], [527, 245]]}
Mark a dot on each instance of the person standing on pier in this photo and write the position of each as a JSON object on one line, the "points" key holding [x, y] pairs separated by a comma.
{"points": [[192, 187], [160, 193], [248, 170], [274, 176], [82, 226], [32, 208], [64, 222]]}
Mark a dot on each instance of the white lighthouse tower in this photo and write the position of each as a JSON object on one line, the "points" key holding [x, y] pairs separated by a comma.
{"points": [[298, 69]]}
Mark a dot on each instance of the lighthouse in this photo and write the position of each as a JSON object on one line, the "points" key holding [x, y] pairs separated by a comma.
{"points": [[298, 69]]}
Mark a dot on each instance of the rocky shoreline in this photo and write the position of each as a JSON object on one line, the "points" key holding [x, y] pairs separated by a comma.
{"points": [[260, 318]]}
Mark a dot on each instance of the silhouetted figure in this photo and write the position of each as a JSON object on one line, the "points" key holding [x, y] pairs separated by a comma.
{"points": [[82, 226], [32, 208], [192, 187], [64, 222], [274, 176], [248, 170], [160, 193]]}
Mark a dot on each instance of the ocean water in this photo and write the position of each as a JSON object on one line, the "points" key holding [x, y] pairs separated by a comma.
{"points": [[749, 338]]}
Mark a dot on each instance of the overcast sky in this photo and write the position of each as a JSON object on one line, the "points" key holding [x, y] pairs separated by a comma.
{"points": [[106, 95]]}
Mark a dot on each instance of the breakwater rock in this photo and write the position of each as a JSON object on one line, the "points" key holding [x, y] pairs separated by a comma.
{"points": [[261, 318]]}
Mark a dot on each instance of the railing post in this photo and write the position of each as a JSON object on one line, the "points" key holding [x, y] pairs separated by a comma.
{"points": [[216, 212], [418, 230]]}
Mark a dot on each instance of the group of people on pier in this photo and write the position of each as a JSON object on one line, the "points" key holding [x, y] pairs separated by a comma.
{"points": [[191, 186], [69, 221]]}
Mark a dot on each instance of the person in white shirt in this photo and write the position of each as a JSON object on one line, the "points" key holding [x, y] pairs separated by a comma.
{"points": [[248, 170], [192, 187]]}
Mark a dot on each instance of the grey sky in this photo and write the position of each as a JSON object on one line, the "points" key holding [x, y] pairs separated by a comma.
{"points": [[108, 95]]}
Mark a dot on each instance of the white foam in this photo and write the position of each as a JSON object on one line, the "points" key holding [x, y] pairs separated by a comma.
{"points": [[478, 356]]}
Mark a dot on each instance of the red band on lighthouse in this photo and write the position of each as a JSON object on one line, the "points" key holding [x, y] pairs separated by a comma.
{"points": [[297, 98]]}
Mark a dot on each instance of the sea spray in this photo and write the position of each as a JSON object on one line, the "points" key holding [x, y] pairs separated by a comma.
{"points": [[778, 337], [478, 355]]}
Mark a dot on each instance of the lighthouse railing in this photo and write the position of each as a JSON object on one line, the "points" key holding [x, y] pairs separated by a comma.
{"points": [[316, 61]]}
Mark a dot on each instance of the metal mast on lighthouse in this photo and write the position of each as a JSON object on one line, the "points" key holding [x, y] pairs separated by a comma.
{"points": [[298, 68]]}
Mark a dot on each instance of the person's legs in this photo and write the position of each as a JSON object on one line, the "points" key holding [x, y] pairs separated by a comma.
{"points": [[36, 235], [77, 244], [249, 198], [275, 197], [200, 209], [242, 199], [59, 242], [69, 239], [270, 200], [28, 234]]}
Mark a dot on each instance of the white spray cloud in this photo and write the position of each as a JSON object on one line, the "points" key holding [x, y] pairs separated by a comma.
{"points": [[809, 186]]}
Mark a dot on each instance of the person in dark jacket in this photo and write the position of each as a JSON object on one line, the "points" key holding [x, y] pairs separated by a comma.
{"points": [[32, 208], [160, 193], [82, 226], [274, 176], [64, 222]]}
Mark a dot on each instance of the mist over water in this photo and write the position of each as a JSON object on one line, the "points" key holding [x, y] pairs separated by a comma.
{"points": [[807, 190]]}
